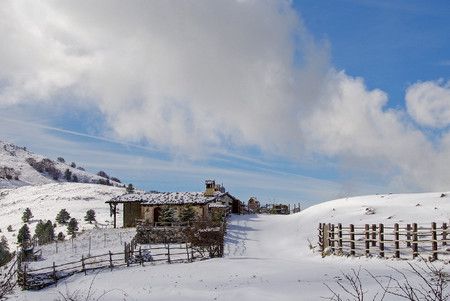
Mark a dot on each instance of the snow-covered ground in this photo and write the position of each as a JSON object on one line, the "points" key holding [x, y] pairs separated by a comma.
{"points": [[45, 201], [267, 257]]}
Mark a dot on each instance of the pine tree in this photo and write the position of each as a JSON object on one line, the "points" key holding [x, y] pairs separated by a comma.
{"points": [[61, 236], [167, 215], [130, 188], [90, 216], [24, 235], [188, 214], [72, 227], [45, 233], [62, 217], [27, 215], [5, 255]]}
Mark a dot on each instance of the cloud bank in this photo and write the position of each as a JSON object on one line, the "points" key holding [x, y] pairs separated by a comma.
{"points": [[194, 77]]}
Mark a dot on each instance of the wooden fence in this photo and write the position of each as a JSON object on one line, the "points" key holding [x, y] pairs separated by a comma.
{"points": [[9, 279], [38, 278], [406, 241]]}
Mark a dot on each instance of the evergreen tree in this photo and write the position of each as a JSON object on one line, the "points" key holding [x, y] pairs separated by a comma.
{"points": [[187, 214], [61, 159], [90, 216], [61, 236], [24, 235], [73, 165], [167, 215], [130, 188], [68, 175], [45, 233], [72, 227], [27, 215], [5, 255], [62, 217], [74, 178]]}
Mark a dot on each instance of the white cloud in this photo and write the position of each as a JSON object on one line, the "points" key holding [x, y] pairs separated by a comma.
{"points": [[196, 76], [428, 103]]}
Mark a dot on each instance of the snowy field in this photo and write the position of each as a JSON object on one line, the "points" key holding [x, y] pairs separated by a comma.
{"points": [[45, 201], [267, 257]]}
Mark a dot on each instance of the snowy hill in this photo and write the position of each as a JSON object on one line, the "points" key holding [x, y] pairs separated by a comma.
{"points": [[20, 167], [267, 257], [45, 201]]}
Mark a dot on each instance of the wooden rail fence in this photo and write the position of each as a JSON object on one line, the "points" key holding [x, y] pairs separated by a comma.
{"points": [[9, 279], [38, 278], [405, 241]]}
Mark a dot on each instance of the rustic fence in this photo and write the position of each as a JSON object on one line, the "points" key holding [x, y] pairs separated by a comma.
{"points": [[35, 279], [406, 241], [9, 279]]}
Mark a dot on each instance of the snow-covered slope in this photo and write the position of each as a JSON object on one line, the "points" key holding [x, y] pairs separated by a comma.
{"points": [[267, 257], [21, 173], [45, 201]]}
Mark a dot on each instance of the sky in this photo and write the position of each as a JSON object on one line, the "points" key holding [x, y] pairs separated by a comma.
{"points": [[292, 102]]}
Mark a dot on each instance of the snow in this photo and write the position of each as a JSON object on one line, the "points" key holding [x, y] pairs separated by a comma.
{"points": [[45, 201], [167, 198], [267, 257], [15, 157]]}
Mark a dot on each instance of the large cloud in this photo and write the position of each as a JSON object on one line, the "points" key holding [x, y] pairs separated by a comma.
{"points": [[429, 103], [197, 76]]}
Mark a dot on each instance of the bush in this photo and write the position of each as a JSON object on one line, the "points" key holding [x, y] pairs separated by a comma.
{"points": [[80, 168], [44, 232], [61, 159], [73, 165], [24, 235], [9, 228], [130, 188], [90, 216], [72, 227], [68, 175], [115, 179], [74, 178], [45, 166], [27, 215], [62, 217], [102, 174], [61, 236]]}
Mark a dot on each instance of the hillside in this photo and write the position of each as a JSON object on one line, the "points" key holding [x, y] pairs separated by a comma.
{"points": [[45, 201], [267, 257], [20, 167]]}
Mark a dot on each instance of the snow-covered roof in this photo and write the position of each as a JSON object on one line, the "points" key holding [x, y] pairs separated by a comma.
{"points": [[217, 205], [167, 198]]}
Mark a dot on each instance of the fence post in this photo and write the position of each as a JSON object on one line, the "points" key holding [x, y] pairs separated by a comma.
{"points": [[54, 274], [352, 240], [187, 252], [408, 235], [374, 235], [434, 241], [414, 244], [329, 241], [83, 269], [168, 253], [444, 234], [367, 239], [110, 260], [396, 241], [333, 243], [381, 239], [141, 260], [321, 237], [340, 238]]}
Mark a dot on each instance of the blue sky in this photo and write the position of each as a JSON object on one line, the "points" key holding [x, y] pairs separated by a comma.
{"points": [[167, 97]]}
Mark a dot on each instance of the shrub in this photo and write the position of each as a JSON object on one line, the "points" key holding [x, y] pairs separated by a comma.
{"points": [[62, 217], [130, 188], [90, 216], [27, 215], [115, 179], [73, 165], [68, 175], [80, 168], [61, 159], [61, 236], [102, 174], [9, 228], [74, 178]]}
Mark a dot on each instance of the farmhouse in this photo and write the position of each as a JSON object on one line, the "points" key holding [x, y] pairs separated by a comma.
{"points": [[147, 206]]}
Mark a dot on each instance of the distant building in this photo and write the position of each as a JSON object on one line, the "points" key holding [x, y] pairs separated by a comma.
{"points": [[253, 205], [147, 206]]}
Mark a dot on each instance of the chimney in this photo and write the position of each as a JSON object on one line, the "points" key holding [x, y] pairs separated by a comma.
{"points": [[210, 187]]}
